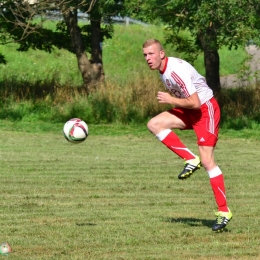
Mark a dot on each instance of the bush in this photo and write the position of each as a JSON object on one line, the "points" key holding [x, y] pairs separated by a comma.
{"points": [[134, 103], [240, 107]]}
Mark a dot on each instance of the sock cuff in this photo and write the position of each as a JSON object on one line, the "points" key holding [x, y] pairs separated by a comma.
{"points": [[214, 172], [162, 135]]}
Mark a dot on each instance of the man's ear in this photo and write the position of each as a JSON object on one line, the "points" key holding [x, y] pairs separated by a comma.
{"points": [[162, 54]]}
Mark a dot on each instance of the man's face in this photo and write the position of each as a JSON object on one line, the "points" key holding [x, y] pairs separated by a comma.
{"points": [[154, 56]]}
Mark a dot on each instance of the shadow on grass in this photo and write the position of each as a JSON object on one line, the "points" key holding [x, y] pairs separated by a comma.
{"points": [[85, 224], [193, 222]]}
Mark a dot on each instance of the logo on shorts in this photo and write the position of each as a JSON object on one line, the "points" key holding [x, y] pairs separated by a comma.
{"points": [[202, 139]]}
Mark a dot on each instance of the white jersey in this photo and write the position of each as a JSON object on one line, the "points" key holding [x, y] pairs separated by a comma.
{"points": [[182, 80]]}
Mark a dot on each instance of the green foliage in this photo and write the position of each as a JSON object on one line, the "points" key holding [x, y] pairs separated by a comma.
{"points": [[114, 104], [32, 29], [105, 9], [240, 107], [47, 87], [2, 59], [122, 59], [211, 24], [234, 21]]}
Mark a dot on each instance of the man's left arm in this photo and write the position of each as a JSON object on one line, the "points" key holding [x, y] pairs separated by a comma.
{"points": [[191, 102]]}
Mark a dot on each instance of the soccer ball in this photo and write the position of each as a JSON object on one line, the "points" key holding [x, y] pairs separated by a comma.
{"points": [[75, 130], [5, 248]]}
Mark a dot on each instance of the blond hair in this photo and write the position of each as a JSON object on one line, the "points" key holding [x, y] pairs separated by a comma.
{"points": [[150, 42]]}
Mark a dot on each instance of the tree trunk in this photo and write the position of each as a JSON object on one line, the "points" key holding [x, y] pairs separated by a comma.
{"points": [[90, 71], [96, 48], [211, 60]]}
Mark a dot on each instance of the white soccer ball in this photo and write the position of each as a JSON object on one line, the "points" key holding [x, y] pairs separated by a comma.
{"points": [[5, 248], [75, 130]]}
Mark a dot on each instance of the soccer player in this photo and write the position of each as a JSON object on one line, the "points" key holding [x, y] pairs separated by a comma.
{"points": [[194, 107]]}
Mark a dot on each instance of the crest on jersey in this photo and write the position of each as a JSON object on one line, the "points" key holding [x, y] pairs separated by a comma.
{"points": [[168, 83]]}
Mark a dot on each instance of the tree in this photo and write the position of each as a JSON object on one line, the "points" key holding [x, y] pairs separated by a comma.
{"points": [[211, 24], [101, 11], [22, 22]]}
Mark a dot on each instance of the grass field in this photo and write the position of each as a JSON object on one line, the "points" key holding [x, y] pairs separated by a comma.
{"points": [[117, 196]]}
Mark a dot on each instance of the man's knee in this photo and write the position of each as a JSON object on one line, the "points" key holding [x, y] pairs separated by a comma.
{"points": [[208, 163], [152, 125]]}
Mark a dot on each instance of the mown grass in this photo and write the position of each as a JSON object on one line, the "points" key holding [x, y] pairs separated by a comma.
{"points": [[117, 196]]}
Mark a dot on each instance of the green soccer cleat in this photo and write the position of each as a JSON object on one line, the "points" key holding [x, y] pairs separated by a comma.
{"points": [[222, 220], [189, 168]]}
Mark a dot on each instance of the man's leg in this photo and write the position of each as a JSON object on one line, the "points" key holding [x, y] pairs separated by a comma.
{"points": [[173, 142], [218, 187], [161, 126]]}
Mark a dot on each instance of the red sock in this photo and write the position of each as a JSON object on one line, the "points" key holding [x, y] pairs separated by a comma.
{"points": [[173, 142], [218, 187]]}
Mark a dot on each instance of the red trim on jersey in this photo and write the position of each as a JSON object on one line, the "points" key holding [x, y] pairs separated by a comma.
{"points": [[180, 82], [165, 65]]}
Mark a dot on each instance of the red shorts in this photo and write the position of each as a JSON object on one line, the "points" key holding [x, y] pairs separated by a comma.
{"points": [[204, 121]]}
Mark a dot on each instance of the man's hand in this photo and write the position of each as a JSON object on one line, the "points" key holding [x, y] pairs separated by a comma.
{"points": [[165, 98]]}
